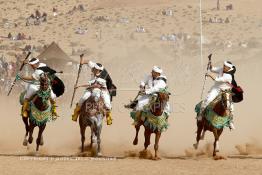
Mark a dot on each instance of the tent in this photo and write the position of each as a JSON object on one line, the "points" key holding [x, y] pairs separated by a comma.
{"points": [[55, 57]]}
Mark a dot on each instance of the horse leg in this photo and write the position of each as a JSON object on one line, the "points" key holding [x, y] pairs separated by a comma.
{"points": [[216, 147], [147, 135], [31, 130], [25, 120], [94, 139], [135, 142], [199, 130], [99, 129], [219, 132], [91, 136], [202, 137], [38, 140], [82, 131], [156, 146]]}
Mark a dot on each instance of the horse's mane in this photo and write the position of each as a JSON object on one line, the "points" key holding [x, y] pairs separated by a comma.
{"points": [[157, 107]]}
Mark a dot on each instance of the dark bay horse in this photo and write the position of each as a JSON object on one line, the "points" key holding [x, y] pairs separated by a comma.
{"points": [[92, 114], [156, 109], [222, 108], [40, 106]]}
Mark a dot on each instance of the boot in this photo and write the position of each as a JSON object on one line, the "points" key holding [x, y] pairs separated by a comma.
{"points": [[54, 113], [109, 118], [76, 113], [25, 108]]}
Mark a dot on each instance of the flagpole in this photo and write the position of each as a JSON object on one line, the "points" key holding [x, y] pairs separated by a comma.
{"points": [[201, 34], [201, 46]]}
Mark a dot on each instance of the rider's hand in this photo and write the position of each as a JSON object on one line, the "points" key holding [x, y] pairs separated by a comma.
{"points": [[76, 87], [207, 75], [24, 62], [96, 86]]}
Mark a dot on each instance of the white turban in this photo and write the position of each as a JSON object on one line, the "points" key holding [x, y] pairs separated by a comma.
{"points": [[228, 64], [99, 66], [157, 69], [33, 61]]}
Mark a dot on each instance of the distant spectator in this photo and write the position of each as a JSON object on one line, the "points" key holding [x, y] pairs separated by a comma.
{"points": [[227, 20], [81, 7], [19, 36], [9, 36], [37, 14], [55, 11]]}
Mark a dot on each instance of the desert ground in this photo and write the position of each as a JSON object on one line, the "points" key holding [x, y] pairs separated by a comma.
{"points": [[111, 37]]}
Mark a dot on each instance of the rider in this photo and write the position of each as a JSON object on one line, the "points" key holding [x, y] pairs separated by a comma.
{"points": [[150, 85], [34, 86], [98, 72], [223, 81]]}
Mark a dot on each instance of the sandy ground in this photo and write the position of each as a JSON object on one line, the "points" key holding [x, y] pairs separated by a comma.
{"points": [[129, 56], [130, 166]]}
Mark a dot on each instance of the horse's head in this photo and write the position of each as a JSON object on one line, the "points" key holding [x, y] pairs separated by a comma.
{"points": [[223, 106], [44, 82], [94, 104], [226, 99], [96, 94], [41, 100], [158, 106]]}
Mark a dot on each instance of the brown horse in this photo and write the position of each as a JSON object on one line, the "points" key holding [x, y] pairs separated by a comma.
{"points": [[157, 109], [42, 104], [222, 108], [91, 114]]}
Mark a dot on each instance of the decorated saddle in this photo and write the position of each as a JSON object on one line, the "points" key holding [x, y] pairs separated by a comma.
{"points": [[155, 123], [212, 117]]}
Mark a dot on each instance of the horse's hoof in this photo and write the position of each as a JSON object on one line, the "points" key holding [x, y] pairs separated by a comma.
{"points": [[156, 158], [135, 142], [25, 142], [219, 157], [30, 140], [143, 151], [195, 146], [99, 154]]}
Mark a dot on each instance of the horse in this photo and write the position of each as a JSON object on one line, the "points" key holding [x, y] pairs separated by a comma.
{"points": [[155, 113], [40, 112], [92, 114], [220, 107]]}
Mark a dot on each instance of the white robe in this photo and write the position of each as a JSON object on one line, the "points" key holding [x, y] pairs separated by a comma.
{"points": [[151, 87], [104, 93], [222, 82], [32, 88]]}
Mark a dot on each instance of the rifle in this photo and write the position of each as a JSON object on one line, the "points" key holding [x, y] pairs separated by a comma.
{"points": [[21, 68], [78, 75], [208, 68]]}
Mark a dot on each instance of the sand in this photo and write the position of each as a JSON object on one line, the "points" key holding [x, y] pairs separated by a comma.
{"points": [[129, 56]]}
